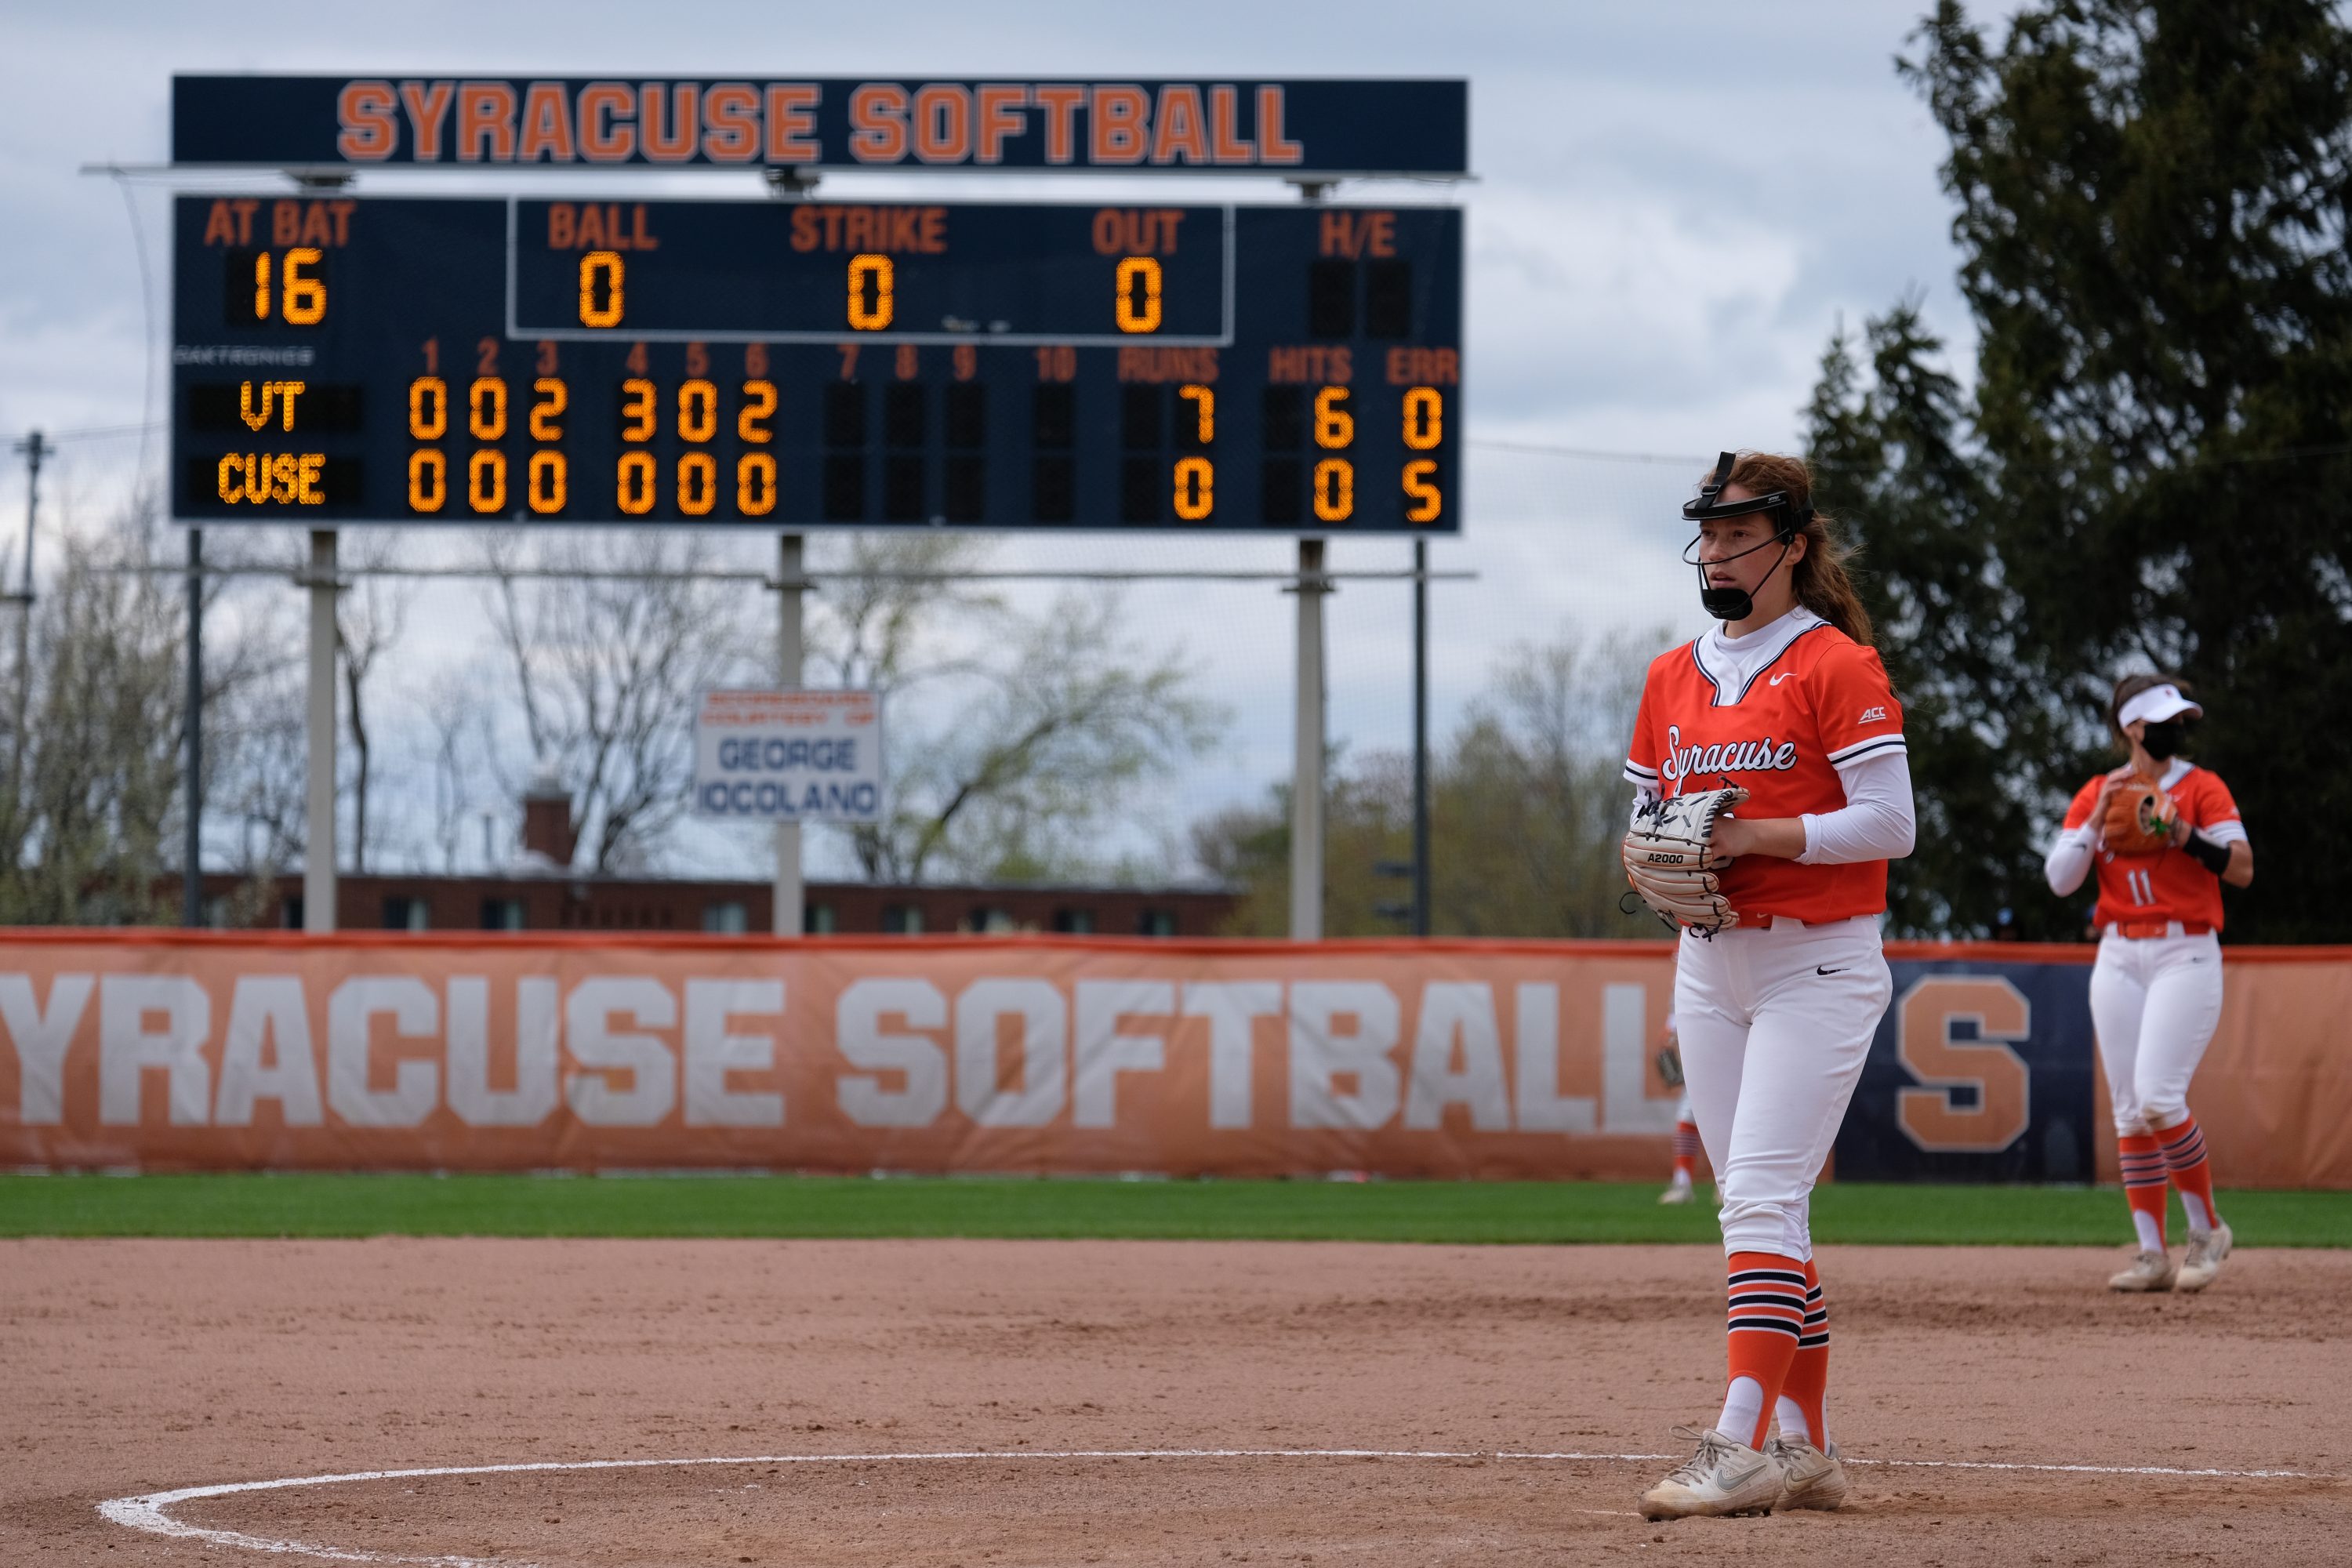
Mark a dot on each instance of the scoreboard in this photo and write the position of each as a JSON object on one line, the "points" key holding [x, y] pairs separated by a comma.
{"points": [[798, 365]]}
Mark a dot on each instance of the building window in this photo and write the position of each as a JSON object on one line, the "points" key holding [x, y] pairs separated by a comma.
{"points": [[291, 912], [988, 920], [725, 919], [403, 914], [817, 920], [1075, 923], [502, 914], [1155, 922], [902, 919]]}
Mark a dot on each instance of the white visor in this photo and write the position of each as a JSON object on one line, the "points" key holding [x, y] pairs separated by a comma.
{"points": [[2157, 704]]}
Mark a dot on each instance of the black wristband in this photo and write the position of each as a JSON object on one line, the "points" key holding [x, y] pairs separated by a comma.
{"points": [[2214, 857]]}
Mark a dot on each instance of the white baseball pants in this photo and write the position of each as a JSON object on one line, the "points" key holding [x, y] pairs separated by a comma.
{"points": [[2155, 1002], [1776, 1023]]}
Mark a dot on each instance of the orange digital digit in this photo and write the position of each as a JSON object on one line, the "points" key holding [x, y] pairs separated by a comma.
{"points": [[758, 407], [1420, 485], [1334, 426], [486, 409], [1196, 479], [429, 480], [486, 480], [697, 483], [1335, 489], [1424, 417], [1135, 296], [601, 272], [637, 409], [428, 408], [261, 287], [874, 275], [547, 414], [697, 410], [636, 488], [1204, 411], [549, 477], [755, 484], [305, 297]]}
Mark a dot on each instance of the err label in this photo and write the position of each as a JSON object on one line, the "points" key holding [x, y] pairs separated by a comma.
{"points": [[789, 756]]}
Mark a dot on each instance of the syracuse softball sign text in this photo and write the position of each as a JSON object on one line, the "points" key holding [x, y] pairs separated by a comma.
{"points": [[1012, 1054], [789, 756]]}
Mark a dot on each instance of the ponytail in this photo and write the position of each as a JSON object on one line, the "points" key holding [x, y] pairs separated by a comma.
{"points": [[1820, 579]]}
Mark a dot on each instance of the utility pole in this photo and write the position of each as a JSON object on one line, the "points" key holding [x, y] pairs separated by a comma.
{"points": [[34, 449]]}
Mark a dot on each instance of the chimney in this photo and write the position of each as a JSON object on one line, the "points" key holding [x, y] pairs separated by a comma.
{"points": [[547, 828]]}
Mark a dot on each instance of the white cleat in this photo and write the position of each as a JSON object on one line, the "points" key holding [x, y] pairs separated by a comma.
{"points": [[1678, 1191], [1723, 1477], [2207, 1249], [1810, 1476], [2150, 1272]]}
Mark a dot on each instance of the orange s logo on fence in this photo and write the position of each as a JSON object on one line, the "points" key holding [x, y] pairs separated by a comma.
{"points": [[2001, 1084]]}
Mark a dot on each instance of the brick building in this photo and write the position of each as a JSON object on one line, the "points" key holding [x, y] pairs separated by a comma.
{"points": [[539, 892]]}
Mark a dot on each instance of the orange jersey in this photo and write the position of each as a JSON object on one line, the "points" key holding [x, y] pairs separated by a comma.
{"points": [[1776, 713], [2167, 884]]}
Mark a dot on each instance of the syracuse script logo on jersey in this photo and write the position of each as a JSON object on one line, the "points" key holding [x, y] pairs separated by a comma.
{"points": [[1778, 714], [1736, 757]]}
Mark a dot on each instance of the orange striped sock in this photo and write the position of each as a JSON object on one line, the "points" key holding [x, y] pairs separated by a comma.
{"points": [[1686, 1147], [2142, 1158], [1806, 1390], [1766, 1317], [2192, 1173]]}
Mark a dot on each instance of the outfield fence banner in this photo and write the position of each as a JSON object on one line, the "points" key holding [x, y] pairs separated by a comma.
{"points": [[1506, 1059]]}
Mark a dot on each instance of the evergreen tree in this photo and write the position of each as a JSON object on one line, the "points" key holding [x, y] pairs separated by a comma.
{"points": [[2153, 205]]}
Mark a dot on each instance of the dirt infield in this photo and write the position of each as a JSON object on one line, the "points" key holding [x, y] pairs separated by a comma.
{"points": [[137, 1367]]}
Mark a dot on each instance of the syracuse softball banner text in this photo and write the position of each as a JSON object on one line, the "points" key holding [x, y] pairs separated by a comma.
{"points": [[1517, 1060]]}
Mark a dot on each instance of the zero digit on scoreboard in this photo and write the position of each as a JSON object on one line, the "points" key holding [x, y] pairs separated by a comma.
{"points": [[871, 301], [601, 272]]}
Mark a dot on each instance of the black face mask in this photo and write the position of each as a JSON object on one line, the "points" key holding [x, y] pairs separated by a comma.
{"points": [[2161, 739], [1734, 604]]}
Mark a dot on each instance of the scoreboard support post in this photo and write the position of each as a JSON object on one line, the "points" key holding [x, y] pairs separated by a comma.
{"points": [[1306, 759], [319, 825], [191, 873], [791, 891]]}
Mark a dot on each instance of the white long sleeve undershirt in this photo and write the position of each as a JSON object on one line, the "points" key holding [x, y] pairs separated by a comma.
{"points": [[2069, 860], [1876, 823]]}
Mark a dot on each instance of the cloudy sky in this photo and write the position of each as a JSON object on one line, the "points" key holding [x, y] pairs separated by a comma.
{"points": [[1676, 205]]}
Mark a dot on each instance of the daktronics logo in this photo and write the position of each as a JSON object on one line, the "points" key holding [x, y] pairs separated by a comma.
{"points": [[1725, 757]]}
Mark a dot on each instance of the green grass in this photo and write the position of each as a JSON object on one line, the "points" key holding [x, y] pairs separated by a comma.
{"points": [[1487, 1212]]}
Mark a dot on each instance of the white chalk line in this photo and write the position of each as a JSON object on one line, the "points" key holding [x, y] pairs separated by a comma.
{"points": [[147, 1511]]}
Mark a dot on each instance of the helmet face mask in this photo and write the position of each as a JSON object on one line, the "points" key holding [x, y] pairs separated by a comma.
{"points": [[1737, 604]]}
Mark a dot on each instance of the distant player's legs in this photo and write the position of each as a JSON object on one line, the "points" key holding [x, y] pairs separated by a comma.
{"points": [[1678, 1189], [2118, 1010], [2184, 1006]]}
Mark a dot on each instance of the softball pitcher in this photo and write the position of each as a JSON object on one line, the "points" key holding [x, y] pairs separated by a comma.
{"points": [[2164, 835], [1772, 789]]}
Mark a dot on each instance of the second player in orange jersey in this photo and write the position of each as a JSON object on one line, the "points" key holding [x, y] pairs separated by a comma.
{"points": [[1786, 700], [2156, 989]]}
